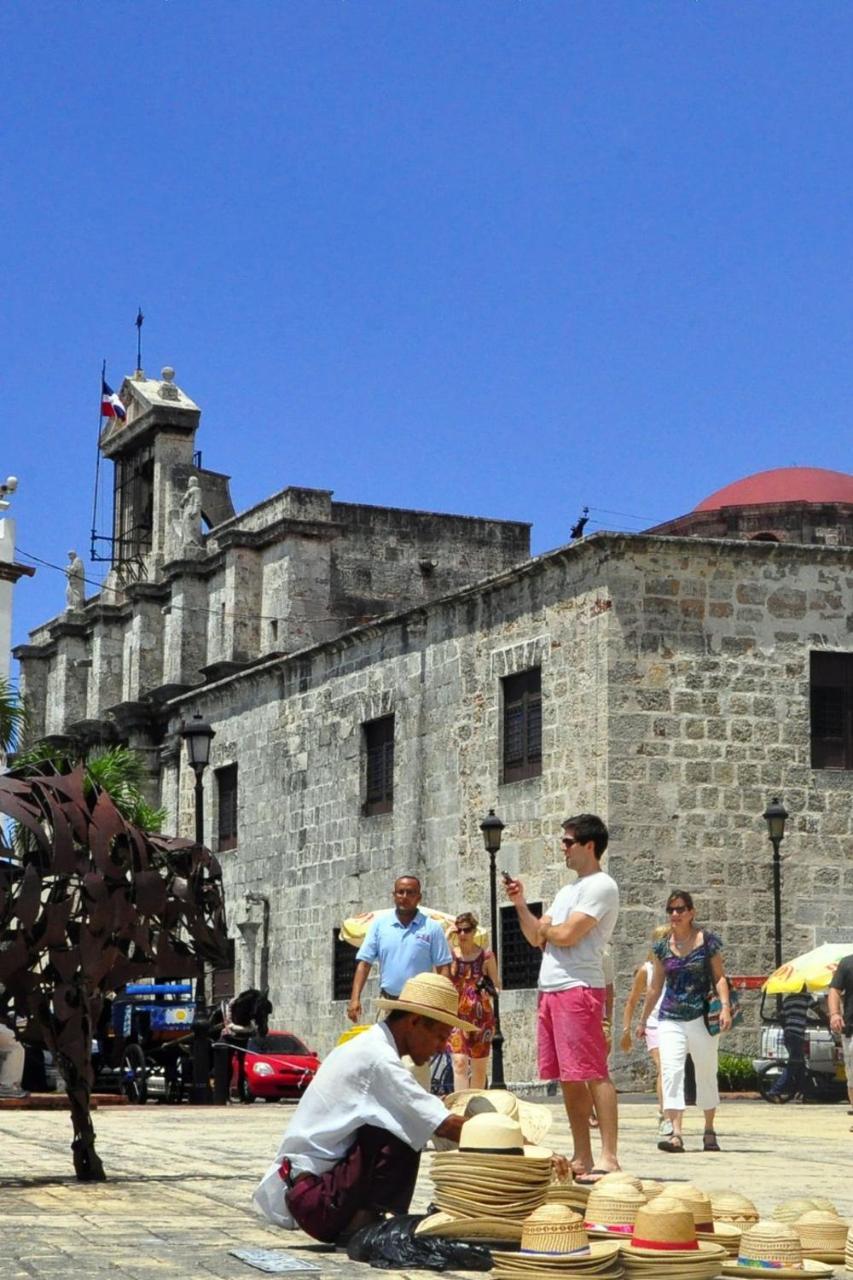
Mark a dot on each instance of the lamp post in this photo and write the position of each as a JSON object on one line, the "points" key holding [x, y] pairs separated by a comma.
{"points": [[492, 829], [197, 734], [776, 815]]}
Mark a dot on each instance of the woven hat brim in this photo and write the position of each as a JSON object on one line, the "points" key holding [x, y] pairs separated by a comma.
{"points": [[426, 1011], [683, 1255], [809, 1267], [598, 1250], [827, 1255], [529, 1153], [453, 1228]]}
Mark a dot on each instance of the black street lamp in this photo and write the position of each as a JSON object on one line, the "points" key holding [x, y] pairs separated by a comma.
{"points": [[492, 829], [776, 815], [197, 734]]}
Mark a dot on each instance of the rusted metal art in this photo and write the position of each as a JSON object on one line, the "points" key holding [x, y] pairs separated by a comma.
{"points": [[89, 902]]}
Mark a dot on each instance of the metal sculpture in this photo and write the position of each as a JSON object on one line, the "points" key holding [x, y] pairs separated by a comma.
{"points": [[89, 902]]}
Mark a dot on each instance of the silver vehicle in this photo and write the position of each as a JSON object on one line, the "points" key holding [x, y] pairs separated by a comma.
{"points": [[824, 1078]]}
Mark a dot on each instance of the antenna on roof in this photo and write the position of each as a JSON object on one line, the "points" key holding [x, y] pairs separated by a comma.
{"points": [[580, 524], [138, 322]]}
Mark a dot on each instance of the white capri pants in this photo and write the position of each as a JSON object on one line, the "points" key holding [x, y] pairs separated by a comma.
{"points": [[677, 1039]]}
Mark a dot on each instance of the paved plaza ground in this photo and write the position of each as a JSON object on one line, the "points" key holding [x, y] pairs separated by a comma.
{"points": [[180, 1178]]}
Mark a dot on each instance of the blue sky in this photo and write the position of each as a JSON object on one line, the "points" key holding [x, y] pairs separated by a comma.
{"points": [[502, 258]]}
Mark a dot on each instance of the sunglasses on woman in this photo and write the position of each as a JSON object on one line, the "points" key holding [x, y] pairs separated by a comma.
{"points": [[676, 911], [460, 928]]}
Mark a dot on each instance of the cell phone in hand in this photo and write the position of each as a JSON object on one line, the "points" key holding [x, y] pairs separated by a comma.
{"points": [[507, 878]]}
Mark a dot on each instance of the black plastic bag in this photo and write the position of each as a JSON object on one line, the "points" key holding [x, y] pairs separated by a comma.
{"points": [[392, 1243]]}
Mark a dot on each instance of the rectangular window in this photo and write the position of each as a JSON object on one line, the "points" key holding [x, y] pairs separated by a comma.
{"points": [[223, 979], [519, 961], [226, 795], [522, 725], [379, 752], [832, 710], [343, 966]]}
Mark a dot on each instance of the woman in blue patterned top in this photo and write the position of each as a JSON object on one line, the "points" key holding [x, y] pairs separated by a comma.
{"points": [[682, 963]]}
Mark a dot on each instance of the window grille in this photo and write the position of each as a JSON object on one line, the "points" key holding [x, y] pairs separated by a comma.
{"points": [[379, 751], [522, 725], [519, 961], [343, 966], [226, 793], [832, 710], [223, 979]]}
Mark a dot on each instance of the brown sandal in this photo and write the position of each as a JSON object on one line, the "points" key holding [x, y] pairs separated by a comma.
{"points": [[709, 1141], [675, 1145]]}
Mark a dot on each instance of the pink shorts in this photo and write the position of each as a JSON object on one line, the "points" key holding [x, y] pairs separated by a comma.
{"points": [[570, 1035]]}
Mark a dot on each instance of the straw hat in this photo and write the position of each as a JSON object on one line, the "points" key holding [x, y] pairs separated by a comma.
{"points": [[790, 1210], [731, 1206], [451, 1227], [698, 1202], [666, 1232], [772, 1244], [848, 1251], [822, 1234], [535, 1120], [553, 1238], [612, 1208], [491, 1138], [619, 1175], [432, 996]]}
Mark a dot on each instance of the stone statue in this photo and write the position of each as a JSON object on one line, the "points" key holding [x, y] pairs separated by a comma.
{"points": [[190, 539], [75, 571]]}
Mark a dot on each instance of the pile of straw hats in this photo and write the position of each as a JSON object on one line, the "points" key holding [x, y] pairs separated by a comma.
{"points": [[554, 1244], [848, 1251], [790, 1210], [494, 1176], [774, 1245], [707, 1227], [664, 1244]]}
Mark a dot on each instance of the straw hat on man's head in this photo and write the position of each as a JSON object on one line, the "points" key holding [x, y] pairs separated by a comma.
{"points": [[432, 996]]}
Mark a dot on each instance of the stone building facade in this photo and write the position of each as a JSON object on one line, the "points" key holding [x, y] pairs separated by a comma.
{"points": [[672, 683]]}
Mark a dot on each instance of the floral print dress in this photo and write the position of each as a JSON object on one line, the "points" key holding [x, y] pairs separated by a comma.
{"points": [[474, 1006]]}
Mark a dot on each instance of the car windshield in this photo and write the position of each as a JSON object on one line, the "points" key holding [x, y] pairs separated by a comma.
{"points": [[275, 1042]]}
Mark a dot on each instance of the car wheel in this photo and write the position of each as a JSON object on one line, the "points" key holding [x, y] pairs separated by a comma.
{"points": [[133, 1082]]}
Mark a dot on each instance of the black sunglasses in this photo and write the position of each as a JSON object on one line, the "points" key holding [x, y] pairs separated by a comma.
{"points": [[676, 911], [464, 928]]}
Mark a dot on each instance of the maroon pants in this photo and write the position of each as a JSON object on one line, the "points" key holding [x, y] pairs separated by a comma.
{"points": [[378, 1172]]}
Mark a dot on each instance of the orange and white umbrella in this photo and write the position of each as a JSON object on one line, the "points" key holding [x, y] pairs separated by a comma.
{"points": [[354, 929]]}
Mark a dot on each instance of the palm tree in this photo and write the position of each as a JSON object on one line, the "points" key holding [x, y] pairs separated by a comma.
{"points": [[13, 716], [117, 770]]}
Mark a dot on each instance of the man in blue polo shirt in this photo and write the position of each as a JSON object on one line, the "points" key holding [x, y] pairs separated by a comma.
{"points": [[405, 942]]}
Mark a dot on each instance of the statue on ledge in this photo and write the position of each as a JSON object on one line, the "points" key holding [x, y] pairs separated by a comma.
{"points": [[75, 572], [189, 525]]}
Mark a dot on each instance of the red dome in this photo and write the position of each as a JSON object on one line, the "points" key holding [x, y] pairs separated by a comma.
{"points": [[784, 484]]}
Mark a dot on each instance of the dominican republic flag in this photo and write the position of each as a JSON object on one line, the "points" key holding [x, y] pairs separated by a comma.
{"points": [[111, 406]]}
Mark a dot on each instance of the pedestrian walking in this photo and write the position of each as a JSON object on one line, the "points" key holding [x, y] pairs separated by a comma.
{"points": [[839, 999], [474, 974], [12, 1056], [688, 962], [795, 1012], [643, 975], [571, 1042]]}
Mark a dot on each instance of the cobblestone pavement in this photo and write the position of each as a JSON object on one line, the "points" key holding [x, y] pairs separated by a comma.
{"points": [[180, 1178]]}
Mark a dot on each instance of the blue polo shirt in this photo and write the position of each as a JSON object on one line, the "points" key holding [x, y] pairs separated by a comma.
{"points": [[404, 950]]}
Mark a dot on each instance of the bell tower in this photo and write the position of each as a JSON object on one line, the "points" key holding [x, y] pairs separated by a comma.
{"points": [[152, 451]]}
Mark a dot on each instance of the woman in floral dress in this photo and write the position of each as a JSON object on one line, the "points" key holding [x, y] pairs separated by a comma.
{"points": [[474, 973]]}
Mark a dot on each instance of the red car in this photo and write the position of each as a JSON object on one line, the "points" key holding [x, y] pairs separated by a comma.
{"points": [[277, 1065]]}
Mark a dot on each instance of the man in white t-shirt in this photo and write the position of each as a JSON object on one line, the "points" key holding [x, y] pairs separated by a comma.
{"points": [[570, 1036]]}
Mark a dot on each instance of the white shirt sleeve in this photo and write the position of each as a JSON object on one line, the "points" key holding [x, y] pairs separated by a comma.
{"points": [[396, 1102], [596, 896]]}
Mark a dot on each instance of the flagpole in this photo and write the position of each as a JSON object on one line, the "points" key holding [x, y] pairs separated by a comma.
{"points": [[98, 461]]}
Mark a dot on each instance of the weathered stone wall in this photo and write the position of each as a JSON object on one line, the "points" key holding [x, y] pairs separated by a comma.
{"points": [[675, 703]]}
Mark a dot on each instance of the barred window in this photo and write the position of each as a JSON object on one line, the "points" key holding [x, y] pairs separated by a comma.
{"points": [[223, 979], [226, 797], [379, 773], [832, 710], [519, 961], [343, 966], [522, 725]]}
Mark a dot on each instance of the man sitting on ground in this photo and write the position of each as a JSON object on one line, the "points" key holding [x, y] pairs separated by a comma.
{"points": [[352, 1149]]}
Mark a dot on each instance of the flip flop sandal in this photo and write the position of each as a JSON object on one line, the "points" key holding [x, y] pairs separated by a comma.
{"points": [[709, 1141], [674, 1145]]}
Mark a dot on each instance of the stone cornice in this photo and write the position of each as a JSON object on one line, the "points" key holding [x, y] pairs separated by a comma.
{"points": [[11, 571]]}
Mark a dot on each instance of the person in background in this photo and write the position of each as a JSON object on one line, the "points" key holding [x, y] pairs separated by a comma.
{"points": [[405, 942], [795, 1012], [474, 974], [839, 1000], [642, 980], [12, 1057], [686, 964]]}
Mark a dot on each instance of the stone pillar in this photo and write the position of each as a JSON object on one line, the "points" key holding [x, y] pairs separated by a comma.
{"points": [[185, 626], [142, 659], [106, 648], [242, 604], [67, 682]]}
